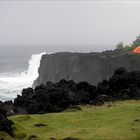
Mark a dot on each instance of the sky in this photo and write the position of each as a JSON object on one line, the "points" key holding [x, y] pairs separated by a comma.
{"points": [[68, 23]]}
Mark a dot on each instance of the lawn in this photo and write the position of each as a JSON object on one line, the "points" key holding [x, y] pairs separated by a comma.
{"points": [[112, 121]]}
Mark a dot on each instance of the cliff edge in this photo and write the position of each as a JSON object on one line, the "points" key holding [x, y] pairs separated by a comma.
{"points": [[90, 67]]}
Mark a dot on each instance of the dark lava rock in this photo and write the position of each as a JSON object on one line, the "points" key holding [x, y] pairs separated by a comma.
{"points": [[5, 125], [9, 112], [70, 138], [57, 97], [2, 109], [40, 125], [52, 139], [121, 86], [31, 137], [137, 120], [75, 107]]}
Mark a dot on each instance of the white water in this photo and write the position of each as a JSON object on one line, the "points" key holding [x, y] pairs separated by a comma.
{"points": [[12, 84]]}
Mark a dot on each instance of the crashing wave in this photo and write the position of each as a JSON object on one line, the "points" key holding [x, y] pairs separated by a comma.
{"points": [[12, 84]]}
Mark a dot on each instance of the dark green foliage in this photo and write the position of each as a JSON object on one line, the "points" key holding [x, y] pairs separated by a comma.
{"points": [[129, 48]]}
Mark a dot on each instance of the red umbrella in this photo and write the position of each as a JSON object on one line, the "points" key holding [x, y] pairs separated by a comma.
{"points": [[136, 50]]}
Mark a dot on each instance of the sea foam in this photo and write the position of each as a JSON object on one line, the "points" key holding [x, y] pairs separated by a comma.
{"points": [[12, 84]]}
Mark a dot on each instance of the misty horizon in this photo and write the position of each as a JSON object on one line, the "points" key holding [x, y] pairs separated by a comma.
{"points": [[68, 25], [55, 48]]}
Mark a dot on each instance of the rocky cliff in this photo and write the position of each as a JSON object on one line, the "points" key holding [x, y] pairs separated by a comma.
{"points": [[90, 67]]}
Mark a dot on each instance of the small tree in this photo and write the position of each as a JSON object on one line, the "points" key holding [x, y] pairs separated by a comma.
{"points": [[129, 48], [136, 42], [120, 46]]}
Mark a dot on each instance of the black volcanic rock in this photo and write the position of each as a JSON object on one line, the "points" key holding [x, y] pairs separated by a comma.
{"points": [[70, 138], [2, 109], [89, 67], [122, 85], [5, 125], [57, 97]]}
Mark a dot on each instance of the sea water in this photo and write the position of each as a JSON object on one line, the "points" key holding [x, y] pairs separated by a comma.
{"points": [[17, 71]]}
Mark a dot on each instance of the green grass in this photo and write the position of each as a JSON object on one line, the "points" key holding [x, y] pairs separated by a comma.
{"points": [[113, 121]]}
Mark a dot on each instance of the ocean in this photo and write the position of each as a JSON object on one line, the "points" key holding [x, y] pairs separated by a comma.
{"points": [[18, 70], [19, 66]]}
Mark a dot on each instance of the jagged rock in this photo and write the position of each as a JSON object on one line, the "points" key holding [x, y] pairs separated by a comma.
{"points": [[70, 138], [5, 125], [9, 112], [2, 109], [57, 97]]}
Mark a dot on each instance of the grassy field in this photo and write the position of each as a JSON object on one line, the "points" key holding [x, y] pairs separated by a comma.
{"points": [[113, 121]]}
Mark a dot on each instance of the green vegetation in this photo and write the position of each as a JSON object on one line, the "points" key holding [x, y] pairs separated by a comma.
{"points": [[112, 121], [136, 43]]}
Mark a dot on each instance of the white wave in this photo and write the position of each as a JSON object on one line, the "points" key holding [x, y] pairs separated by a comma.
{"points": [[12, 84]]}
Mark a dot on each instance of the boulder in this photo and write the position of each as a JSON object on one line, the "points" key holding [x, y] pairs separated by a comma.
{"points": [[5, 125]]}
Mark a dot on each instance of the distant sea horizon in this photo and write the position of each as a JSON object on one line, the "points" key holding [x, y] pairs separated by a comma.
{"points": [[19, 67]]}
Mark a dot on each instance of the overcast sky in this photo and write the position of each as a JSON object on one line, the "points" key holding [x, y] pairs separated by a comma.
{"points": [[67, 22]]}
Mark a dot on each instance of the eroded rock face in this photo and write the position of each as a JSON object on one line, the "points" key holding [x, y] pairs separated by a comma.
{"points": [[90, 67]]}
